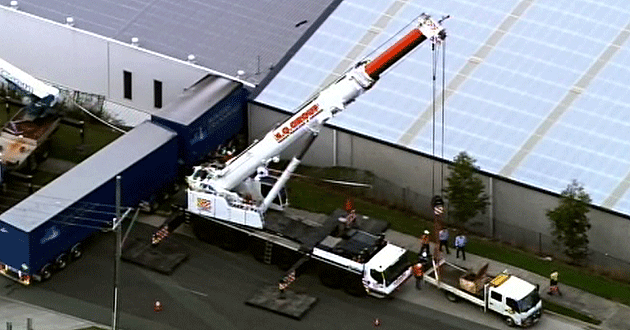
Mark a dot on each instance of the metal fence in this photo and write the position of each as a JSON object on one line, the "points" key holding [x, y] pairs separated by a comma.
{"points": [[75, 103], [386, 192]]}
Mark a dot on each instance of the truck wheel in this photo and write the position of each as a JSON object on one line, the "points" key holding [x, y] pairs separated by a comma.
{"points": [[232, 241], [354, 287], [46, 272], [509, 321], [451, 297], [331, 279], [153, 206], [285, 258], [31, 164], [62, 261], [43, 155], [204, 231], [77, 251]]}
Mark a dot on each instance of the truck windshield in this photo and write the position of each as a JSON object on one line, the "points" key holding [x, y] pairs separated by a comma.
{"points": [[393, 272], [529, 301]]}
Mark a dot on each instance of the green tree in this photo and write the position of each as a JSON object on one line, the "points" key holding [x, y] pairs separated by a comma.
{"points": [[569, 222], [465, 191]]}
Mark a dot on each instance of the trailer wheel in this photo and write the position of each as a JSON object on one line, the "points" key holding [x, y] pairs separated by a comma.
{"points": [[451, 297], [77, 251], [62, 261], [509, 321], [46, 272]]}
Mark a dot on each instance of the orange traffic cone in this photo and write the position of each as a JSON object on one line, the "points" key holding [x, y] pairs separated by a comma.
{"points": [[157, 306]]}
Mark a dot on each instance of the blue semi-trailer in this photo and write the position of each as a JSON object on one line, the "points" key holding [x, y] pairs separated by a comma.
{"points": [[42, 233]]}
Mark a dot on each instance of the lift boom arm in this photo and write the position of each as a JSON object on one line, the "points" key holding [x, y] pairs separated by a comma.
{"points": [[314, 113]]}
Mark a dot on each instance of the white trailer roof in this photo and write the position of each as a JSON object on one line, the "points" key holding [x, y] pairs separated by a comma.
{"points": [[87, 176]]}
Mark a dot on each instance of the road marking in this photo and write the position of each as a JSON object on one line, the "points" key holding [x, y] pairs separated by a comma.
{"points": [[191, 291]]}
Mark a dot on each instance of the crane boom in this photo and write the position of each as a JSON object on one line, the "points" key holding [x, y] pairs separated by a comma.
{"points": [[308, 119]]}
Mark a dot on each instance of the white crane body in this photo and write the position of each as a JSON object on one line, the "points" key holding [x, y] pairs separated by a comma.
{"points": [[230, 201], [234, 186]]}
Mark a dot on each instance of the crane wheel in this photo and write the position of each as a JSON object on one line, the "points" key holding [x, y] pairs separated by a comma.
{"points": [[330, 278]]}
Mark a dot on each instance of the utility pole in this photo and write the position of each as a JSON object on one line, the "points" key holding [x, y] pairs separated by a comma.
{"points": [[116, 227]]}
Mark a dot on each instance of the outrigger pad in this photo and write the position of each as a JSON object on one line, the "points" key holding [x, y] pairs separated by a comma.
{"points": [[289, 303], [163, 258]]}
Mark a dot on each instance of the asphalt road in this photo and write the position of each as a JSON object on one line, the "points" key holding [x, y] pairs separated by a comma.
{"points": [[209, 291]]}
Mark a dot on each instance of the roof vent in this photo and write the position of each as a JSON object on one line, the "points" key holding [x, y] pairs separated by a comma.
{"points": [[191, 58], [70, 21], [135, 41], [13, 4], [240, 73]]}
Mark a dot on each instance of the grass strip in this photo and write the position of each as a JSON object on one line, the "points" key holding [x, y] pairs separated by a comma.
{"points": [[317, 197], [558, 309]]}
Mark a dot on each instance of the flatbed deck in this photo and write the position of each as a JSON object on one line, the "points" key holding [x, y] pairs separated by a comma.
{"points": [[321, 232]]}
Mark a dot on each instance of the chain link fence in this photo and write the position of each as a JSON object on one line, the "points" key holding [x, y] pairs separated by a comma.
{"points": [[76, 103]]}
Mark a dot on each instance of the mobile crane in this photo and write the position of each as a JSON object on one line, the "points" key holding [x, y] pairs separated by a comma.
{"points": [[24, 140], [237, 195]]}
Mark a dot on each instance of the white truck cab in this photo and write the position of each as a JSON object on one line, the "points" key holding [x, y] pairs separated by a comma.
{"points": [[386, 271], [515, 299]]}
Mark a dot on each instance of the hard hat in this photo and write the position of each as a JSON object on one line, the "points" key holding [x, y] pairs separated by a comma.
{"points": [[426, 232]]}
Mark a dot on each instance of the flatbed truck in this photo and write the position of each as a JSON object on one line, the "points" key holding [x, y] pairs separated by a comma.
{"points": [[514, 299], [25, 138]]}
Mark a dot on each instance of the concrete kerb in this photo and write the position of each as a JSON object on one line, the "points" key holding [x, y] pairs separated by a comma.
{"points": [[613, 315], [42, 318], [586, 325]]}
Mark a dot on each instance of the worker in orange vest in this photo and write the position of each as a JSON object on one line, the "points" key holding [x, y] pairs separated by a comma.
{"points": [[418, 272], [419, 268], [424, 242]]}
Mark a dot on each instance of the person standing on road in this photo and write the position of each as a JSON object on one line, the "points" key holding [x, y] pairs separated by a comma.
{"points": [[444, 240], [460, 245], [553, 283], [418, 272], [424, 242]]}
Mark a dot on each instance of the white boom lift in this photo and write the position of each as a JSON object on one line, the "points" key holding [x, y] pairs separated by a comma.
{"points": [[234, 192]]}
